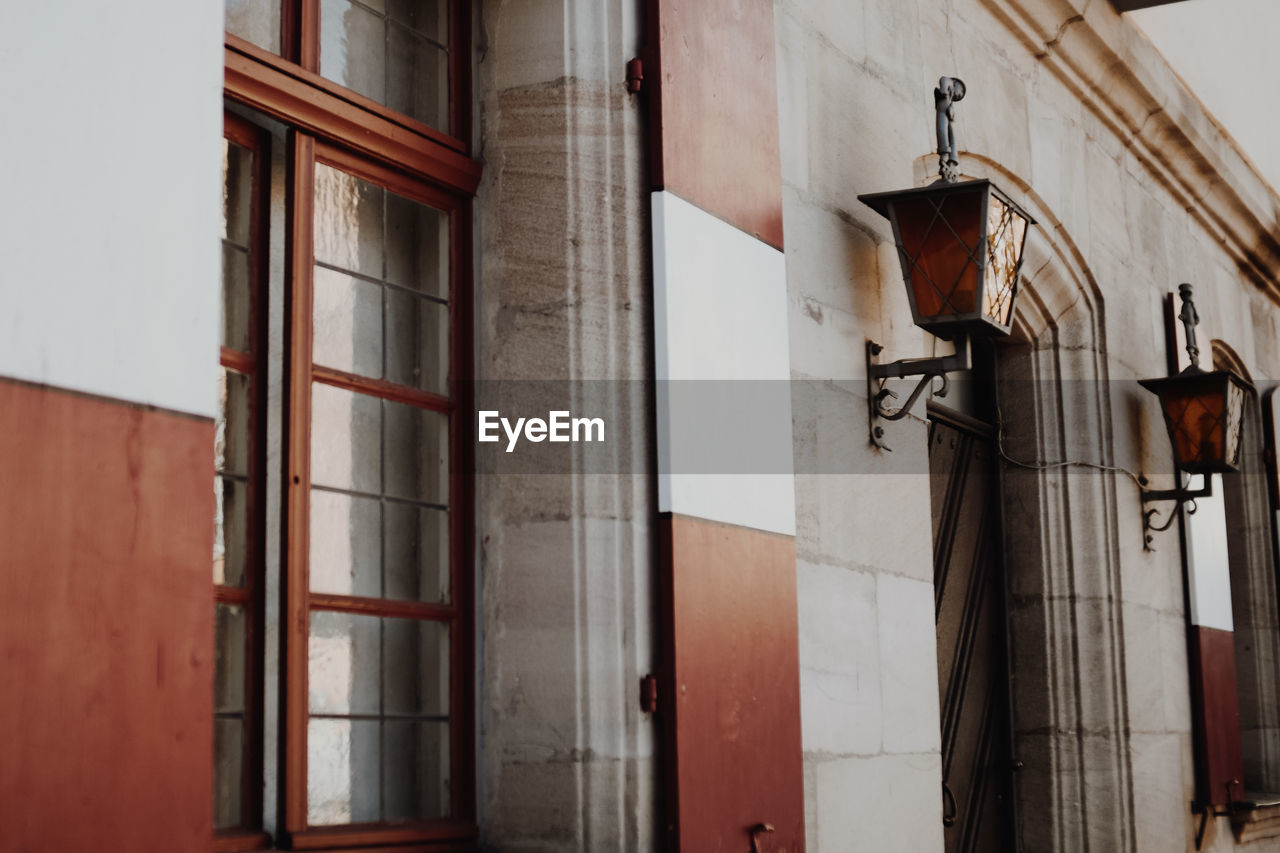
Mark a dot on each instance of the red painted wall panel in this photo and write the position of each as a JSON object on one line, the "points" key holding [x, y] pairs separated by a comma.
{"points": [[731, 688], [106, 630], [1216, 716], [714, 110]]}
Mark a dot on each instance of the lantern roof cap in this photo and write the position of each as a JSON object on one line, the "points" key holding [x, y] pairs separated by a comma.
{"points": [[1196, 374], [879, 202]]}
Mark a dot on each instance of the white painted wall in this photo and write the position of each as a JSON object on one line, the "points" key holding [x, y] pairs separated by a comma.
{"points": [[722, 362], [109, 226], [1226, 52], [1209, 572]]}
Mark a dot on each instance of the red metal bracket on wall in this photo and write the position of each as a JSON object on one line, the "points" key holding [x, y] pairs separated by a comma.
{"points": [[635, 76], [649, 694]]}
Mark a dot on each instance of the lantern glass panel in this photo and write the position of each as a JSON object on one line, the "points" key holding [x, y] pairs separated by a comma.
{"points": [[939, 235], [1203, 416], [1235, 415], [1006, 235], [1195, 426]]}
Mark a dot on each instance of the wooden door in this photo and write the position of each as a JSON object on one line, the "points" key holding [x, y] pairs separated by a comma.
{"points": [[970, 612]]}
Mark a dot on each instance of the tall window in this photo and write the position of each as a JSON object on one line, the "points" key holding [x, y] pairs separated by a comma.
{"points": [[343, 712], [1250, 555], [239, 464]]}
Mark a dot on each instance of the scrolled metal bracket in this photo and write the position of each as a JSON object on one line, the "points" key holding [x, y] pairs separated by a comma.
{"points": [[1181, 495], [928, 369]]}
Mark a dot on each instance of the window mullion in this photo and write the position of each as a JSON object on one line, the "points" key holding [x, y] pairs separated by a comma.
{"points": [[307, 36], [298, 299]]}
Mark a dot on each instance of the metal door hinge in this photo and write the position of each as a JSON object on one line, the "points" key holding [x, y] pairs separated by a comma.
{"points": [[635, 76], [649, 694]]}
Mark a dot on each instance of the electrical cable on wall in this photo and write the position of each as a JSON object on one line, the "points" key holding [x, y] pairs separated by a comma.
{"points": [[1046, 466]]}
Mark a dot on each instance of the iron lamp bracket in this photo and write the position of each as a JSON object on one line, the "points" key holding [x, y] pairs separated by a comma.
{"points": [[1180, 496], [928, 369]]}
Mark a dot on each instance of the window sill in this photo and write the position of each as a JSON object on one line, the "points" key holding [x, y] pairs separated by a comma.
{"points": [[1257, 818], [449, 837], [240, 841]]}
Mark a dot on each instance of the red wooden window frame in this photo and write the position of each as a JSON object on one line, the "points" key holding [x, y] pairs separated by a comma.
{"points": [[252, 364], [300, 55], [301, 601], [333, 125]]}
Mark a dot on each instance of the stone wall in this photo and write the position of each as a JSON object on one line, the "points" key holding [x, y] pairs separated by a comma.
{"points": [[1135, 188], [1070, 109]]}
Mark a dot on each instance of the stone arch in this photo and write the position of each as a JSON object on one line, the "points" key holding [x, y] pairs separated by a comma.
{"points": [[1074, 787], [1226, 358]]}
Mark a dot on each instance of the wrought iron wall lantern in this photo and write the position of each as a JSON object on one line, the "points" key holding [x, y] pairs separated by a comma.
{"points": [[960, 244], [1204, 413]]}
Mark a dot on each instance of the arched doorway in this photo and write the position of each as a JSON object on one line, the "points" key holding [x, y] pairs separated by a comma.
{"points": [[1074, 781]]}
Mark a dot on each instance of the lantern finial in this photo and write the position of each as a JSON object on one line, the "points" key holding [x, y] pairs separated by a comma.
{"points": [[1190, 319], [949, 91]]}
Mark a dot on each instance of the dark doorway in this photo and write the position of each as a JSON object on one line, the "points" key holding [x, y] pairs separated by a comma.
{"points": [[969, 608]]}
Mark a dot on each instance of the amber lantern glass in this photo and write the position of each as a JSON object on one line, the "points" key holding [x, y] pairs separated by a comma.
{"points": [[960, 246], [1203, 412]]}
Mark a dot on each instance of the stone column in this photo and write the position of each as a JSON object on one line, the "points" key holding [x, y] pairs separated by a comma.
{"points": [[566, 577]]}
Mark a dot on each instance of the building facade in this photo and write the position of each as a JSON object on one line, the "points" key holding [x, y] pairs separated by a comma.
{"points": [[302, 247]]}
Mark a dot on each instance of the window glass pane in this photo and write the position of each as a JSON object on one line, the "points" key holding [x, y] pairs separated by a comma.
{"points": [[344, 664], [237, 190], [231, 441], [230, 531], [378, 734], [393, 53], [231, 485], [417, 453], [362, 444], [375, 252], [235, 297], [346, 443], [229, 666], [416, 551], [415, 668], [228, 772], [348, 222], [346, 544], [417, 246], [229, 714], [342, 771], [378, 549], [415, 770], [411, 349], [417, 342], [348, 323], [362, 666], [417, 77], [256, 21], [353, 47], [237, 194], [427, 18]]}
